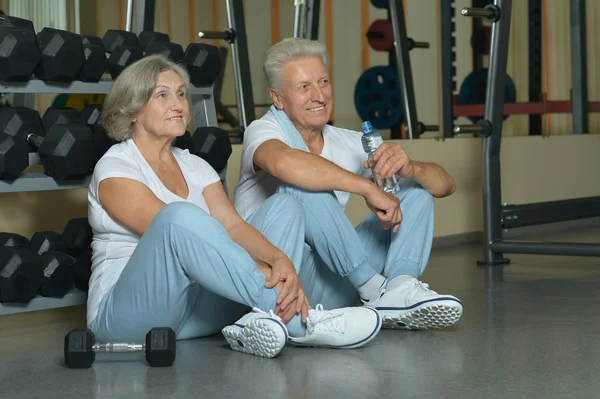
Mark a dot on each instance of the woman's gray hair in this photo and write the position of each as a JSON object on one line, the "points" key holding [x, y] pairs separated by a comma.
{"points": [[286, 50], [131, 91]]}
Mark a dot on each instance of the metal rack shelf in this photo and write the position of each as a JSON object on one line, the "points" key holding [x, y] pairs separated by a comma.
{"points": [[72, 298]]}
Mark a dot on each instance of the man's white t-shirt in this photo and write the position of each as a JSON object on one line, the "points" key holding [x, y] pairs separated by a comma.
{"points": [[342, 147], [113, 243]]}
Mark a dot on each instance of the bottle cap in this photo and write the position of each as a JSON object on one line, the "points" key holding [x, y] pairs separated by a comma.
{"points": [[366, 126]]}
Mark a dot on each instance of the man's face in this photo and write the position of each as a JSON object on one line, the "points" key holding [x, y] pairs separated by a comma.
{"points": [[305, 94]]}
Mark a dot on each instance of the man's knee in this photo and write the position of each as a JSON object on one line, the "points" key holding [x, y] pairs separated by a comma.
{"points": [[414, 194], [323, 198]]}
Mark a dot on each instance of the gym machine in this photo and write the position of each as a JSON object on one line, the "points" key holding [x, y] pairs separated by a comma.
{"points": [[497, 216]]}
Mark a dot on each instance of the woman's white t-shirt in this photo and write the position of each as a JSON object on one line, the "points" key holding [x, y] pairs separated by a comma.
{"points": [[113, 243]]}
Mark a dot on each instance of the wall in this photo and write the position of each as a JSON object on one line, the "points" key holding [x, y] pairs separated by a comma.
{"points": [[182, 19]]}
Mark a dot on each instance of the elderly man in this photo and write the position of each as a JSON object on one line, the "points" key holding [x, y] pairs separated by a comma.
{"points": [[293, 150]]}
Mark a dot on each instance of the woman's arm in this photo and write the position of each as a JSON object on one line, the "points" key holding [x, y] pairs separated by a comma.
{"points": [[129, 202], [265, 254]]}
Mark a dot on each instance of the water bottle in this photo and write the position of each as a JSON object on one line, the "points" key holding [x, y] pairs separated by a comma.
{"points": [[371, 139]]}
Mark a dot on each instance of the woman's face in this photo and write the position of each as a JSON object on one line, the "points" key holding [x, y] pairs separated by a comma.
{"points": [[167, 112]]}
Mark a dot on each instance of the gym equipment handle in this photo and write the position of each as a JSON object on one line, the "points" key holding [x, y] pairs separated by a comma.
{"points": [[226, 35], [122, 347], [477, 12], [35, 139], [468, 129], [413, 44]]}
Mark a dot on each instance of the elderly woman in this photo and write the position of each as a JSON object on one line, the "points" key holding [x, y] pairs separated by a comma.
{"points": [[293, 150], [170, 250]]}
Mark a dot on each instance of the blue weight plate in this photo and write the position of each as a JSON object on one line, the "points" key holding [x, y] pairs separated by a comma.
{"points": [[466, 95], [377, 97]]}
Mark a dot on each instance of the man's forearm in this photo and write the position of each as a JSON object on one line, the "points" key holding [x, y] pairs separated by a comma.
{"points": [[314, 173], [433, 178]]}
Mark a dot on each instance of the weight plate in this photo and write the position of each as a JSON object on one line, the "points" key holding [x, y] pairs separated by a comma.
{"points": [[377, 97]]}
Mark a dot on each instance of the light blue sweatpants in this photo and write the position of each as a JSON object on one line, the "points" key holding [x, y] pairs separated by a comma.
{"points": [[337, 257], [187, 273]]}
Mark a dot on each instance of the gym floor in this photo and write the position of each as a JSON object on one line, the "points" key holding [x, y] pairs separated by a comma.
{"points": [[528, 331]]}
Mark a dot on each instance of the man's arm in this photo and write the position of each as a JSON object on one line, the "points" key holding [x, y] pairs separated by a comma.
{"points": [[306, 170], [391, 159], [433, 178]]}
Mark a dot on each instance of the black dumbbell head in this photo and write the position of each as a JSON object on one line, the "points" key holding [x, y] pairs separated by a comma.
{"points": [[90, 39], [77, 236], [7, 21], [148, 36], [20, 275], [160, 347], [95, 63], [82, 271], [62, 55], [114, 38], [213, 145], [91, 114], [14, 157], [13, 240], [184, 142], [67, 152], [203, 63], [21, 121], [62, 116], [79, 352], [19, 54], [44, 241], [172, 51], [58, 274], [121, 58]]}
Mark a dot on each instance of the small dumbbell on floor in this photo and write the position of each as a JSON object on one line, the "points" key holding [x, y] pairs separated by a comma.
{"points": [[81, 348]]}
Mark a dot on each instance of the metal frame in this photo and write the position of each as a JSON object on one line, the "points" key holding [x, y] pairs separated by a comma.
{"points": [[579, 66], [240, 62], [535, 62], [447, 14], [311, 19], [495, 218], [402, 58], [144, 12]]}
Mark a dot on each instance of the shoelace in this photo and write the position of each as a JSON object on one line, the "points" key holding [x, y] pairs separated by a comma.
{"points": [[418, 284], [325, 320], [270, 313]]}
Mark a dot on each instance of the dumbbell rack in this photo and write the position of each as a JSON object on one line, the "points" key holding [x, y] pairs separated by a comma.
{"points": [[203, 113]]}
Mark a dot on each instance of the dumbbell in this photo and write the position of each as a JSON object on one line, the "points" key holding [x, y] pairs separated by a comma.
{"points": [[209, 143], [20, 274], [76, 237], [44, 264], [62, 55], [95, 63], [19, 49], [102, 142], [81, 347], [124, 49], [66, 151], [160, 43]]}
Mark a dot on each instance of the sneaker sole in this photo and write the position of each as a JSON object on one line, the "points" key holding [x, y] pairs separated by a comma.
{"points": [[349, 346], [434, 315], [262, 337]]}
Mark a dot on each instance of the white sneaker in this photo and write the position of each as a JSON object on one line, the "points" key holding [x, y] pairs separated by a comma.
{"points": [[257, 333], [413, 306], [344, 328]]}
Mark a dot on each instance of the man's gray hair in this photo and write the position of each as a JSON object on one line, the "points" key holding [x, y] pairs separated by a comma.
{"points": [[132, 90], [286, 50]]}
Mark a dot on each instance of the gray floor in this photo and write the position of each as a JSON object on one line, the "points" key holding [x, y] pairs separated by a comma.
{"points": [[530, 330]]}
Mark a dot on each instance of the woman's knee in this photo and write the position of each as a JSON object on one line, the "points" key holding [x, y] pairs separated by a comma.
{"points": [[182, 213]]}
